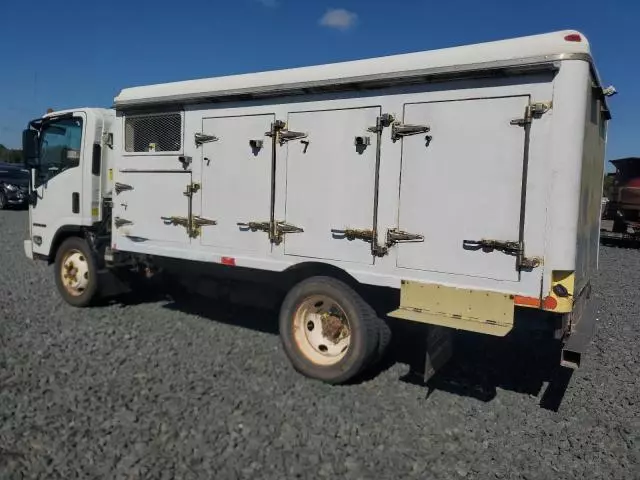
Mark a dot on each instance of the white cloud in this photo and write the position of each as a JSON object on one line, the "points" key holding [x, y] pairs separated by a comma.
{"points": [[270, 3], [339, 18]]}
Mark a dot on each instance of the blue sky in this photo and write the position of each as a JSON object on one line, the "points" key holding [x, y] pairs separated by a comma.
{"points": [[72, 53]]}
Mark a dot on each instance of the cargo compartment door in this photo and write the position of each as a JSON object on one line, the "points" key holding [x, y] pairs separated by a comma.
{"points": [[151, 206], [330, 183], [462, 182], [236, 181]]}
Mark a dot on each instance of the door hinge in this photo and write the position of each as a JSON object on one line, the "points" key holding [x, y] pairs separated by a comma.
{"points": [[194, 227], [255, 226], [509, 247], [176, 221], [353, 233], [107, 139], [533, 110], [282, 135], [121, 187], [398, 236], [202, 222], [191, 189], [201, 138], [383, 121], [121, 222], [399, 130], [368, 235], [276, 234]]}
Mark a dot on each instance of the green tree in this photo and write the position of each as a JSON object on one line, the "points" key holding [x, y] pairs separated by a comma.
{"points": [[10, 155]]}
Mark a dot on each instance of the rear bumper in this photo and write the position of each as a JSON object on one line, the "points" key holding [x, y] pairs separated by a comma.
{"points": [[582, 322]]}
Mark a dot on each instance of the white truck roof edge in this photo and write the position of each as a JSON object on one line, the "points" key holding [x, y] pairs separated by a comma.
{"points": [[515, 52], [57, 113]]}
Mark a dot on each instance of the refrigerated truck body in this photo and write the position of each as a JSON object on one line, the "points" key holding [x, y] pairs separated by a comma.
{"points": [[467, 179]]}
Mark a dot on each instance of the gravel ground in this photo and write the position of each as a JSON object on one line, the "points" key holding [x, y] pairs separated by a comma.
{"points": [[144, 389]]}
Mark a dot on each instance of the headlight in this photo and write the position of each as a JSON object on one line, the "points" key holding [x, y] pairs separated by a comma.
{"points": [[11, 188]]}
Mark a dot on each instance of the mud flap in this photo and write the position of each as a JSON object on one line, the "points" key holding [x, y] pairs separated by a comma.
{"points": [[582, 321], [439, 350]]}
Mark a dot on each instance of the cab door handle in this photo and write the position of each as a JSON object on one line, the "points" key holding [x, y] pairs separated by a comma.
{"points": [[75, 202]]}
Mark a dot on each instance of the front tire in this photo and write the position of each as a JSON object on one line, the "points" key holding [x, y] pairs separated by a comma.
{"points": [[76, 272], [327, 330]]}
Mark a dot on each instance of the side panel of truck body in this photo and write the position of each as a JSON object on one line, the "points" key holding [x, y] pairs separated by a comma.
{"points": [[592, 177], [575, 175], [467, 185]]}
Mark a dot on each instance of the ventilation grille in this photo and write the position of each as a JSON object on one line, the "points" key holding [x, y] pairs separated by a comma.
{"points": [[153, 133]]}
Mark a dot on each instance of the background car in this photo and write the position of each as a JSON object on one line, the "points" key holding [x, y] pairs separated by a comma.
{"points": [[14, 186]]}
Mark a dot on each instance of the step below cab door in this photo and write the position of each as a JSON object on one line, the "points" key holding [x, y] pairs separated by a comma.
{"points": [[462, 181]]}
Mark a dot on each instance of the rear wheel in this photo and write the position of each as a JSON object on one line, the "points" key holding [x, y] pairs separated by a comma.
{"points": [[384, 339], [76, 272], [328, 331]]}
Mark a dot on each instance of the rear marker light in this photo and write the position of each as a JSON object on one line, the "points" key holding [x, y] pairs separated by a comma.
{"points": [[573, 37], [548, 303], [228, 261]]}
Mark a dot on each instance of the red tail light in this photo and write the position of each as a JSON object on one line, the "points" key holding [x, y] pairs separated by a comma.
{"points": [[573, 37]]}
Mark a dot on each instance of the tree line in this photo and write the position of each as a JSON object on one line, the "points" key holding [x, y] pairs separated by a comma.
{"points": [[10, 155]]}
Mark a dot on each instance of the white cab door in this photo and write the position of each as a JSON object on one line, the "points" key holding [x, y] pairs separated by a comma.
{"points": [[465, 183], [330, 183], [58, 179], [236, 181]]}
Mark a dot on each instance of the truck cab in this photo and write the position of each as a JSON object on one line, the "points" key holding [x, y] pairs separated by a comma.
{"points": [[66, 152]]}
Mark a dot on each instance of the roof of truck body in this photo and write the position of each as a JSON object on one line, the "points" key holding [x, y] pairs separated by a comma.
{"points": [[516, 52]]}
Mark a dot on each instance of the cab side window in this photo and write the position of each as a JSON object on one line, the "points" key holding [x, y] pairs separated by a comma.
{"points": [[60, 145]]}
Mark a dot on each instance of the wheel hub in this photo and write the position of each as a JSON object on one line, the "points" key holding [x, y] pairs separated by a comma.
{"points": [[321, 330], [333, 327], [75, 272]]}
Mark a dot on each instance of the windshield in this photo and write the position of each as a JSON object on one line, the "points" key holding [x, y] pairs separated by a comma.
{"points": [[60, 143]]}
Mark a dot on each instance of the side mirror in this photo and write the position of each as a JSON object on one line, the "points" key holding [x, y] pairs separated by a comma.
{"points": [[30, 148]]}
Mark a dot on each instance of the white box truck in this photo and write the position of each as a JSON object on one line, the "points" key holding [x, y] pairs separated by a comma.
{"points": [[468, 179]]}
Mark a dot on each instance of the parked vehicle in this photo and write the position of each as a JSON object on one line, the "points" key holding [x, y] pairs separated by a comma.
{"points": [[14, 186], [468, 180], [623, 206]]}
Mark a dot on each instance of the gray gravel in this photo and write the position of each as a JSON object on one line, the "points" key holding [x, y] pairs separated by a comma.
{"points": [[144, 389]]}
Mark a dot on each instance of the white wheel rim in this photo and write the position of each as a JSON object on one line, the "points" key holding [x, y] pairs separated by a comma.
{"points": [[75, 272], [321, 330]]}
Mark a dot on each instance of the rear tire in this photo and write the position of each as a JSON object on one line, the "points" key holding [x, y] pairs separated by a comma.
{"points": [[328, 331], [76, 272], [384, 339]]}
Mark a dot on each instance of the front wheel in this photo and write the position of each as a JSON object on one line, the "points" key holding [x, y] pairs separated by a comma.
{"points": [[76, 272], [328, 331]]}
